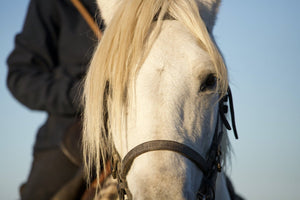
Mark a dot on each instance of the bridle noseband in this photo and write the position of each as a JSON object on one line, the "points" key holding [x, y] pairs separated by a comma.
{"points": [[209, 166]]}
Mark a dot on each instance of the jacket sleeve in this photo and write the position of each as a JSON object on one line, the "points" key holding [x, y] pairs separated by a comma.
{"points": [[34, 75]]}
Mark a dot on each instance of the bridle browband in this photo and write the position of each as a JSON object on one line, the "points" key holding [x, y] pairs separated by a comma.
{"points": [[209, 166]]}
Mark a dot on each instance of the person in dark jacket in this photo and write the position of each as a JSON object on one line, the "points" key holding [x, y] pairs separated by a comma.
{"points": [[46, 67]]}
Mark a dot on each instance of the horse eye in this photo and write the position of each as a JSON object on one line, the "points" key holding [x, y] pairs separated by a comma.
{"points": [[209, 83]]}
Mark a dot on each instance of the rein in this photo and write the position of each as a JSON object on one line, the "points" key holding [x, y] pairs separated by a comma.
{"points": [[209, 166], [87, 17]]}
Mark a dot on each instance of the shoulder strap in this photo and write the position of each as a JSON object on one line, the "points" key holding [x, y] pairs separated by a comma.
{"points": [[87, 17]]}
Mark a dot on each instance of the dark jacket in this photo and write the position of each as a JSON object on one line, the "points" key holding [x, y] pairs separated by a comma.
{"points": [[48, 62]]}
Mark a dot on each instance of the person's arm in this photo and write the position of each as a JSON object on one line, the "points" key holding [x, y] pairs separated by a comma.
{"points": [[34, 76]]}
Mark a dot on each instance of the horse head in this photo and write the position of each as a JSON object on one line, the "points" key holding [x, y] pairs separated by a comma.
{"points": [[157, 74]]}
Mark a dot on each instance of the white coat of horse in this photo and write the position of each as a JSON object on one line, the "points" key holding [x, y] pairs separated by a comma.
{"points": [[157, 74]]}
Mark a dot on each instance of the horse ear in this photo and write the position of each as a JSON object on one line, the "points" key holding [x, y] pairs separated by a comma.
{"points": [[208, 10], [108, 9]]}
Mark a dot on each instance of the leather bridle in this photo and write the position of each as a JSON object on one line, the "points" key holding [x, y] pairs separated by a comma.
{"points": [[209, 166]]}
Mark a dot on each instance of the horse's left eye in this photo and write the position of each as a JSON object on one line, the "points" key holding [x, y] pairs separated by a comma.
{"points": [[209, 83]]}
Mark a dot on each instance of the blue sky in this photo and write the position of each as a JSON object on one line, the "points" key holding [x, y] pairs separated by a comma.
{"points": [[260, 42]]}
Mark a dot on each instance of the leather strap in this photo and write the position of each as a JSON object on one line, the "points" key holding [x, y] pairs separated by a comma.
{"points": [[87, 17], [156, 145]]}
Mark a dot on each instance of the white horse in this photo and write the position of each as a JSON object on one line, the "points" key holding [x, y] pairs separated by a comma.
{"points": [[157, 74]]}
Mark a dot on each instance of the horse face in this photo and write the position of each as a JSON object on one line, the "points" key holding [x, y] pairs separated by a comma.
{"points": [[174, 99]]}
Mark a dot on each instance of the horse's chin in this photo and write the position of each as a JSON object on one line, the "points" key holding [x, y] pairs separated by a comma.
{"points": [[163, 175]]}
